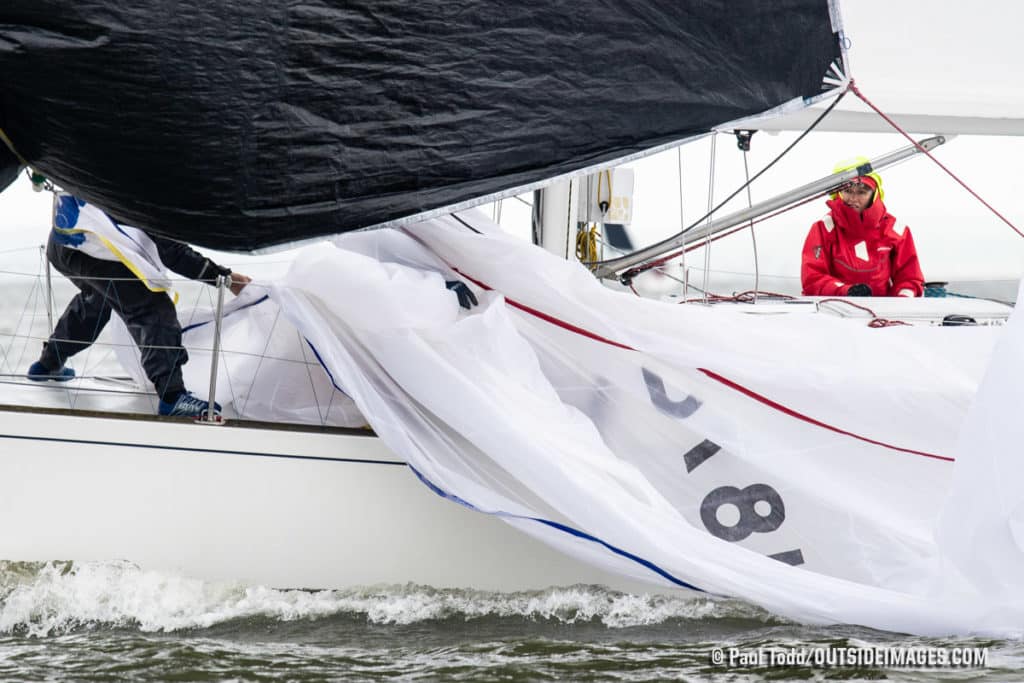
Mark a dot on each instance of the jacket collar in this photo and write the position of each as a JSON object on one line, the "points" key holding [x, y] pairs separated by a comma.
{"points": [[869, 223]]}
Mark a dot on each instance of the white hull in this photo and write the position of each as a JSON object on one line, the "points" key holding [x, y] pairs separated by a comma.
{"points": [[288, 508]]}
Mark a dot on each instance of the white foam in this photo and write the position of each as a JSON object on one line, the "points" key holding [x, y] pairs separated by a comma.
{"points": [[46, 598]]}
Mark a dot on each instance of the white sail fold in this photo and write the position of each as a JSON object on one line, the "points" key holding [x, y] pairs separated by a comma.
{"points": [[828, 471]]}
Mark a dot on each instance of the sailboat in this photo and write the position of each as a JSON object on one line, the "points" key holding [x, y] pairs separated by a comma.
{"points": [[653, 446]]}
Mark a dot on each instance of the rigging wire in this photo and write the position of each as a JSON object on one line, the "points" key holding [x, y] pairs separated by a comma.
{"points": [[535, 218], [19, 344], [682, 222], [856, 91], [774, 161], [636, 270], [754, 221], [658, 262], [711, 202], [10, 145], [743, 142], [569, 218]]}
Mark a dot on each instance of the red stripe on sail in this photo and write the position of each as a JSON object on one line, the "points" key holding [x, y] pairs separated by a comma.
{"points": [[713, 375]]}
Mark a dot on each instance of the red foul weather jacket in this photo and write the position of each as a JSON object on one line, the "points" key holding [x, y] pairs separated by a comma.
{"points": [[845, 249]]}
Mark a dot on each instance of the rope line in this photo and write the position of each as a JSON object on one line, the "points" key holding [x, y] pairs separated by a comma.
{"points": [[875, 321], [682, 222], [858, 93], [774, 161], [753, 237], [636, 270], [10, 145], [748, 297]]}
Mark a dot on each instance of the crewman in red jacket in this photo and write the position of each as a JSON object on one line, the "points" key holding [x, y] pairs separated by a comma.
{"points": [[858, 249]]}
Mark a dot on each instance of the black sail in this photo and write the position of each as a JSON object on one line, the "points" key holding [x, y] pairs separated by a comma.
{"points": [[241, 125]]}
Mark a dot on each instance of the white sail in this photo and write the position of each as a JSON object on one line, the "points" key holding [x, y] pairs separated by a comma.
{"points": [[798, 462]]}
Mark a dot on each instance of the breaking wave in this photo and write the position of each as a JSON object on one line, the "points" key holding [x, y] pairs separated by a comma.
{"points": [[50, 598]]}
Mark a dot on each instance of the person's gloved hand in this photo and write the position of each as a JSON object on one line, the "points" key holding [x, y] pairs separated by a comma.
{"points": [[466, 297], [859, 290]]}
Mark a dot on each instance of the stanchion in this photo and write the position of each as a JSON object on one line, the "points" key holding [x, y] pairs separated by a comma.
{"points": [[211, 415]]}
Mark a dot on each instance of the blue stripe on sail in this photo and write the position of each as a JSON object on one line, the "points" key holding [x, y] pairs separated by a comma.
{"points": [[554, 525], [561, 527], [313, 348], [240, 308], [327, 370]]}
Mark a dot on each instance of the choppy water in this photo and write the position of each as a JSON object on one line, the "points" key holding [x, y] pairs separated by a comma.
{"points": [[111, 621]]}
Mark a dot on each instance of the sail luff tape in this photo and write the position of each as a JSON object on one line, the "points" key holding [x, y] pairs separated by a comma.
{"points": [[10, 146]]}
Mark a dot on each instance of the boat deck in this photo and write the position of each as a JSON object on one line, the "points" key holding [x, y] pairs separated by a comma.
{"points": [[916, 311], [100, 390]]}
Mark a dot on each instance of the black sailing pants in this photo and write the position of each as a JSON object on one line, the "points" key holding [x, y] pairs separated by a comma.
{"points": [[109, 286]]}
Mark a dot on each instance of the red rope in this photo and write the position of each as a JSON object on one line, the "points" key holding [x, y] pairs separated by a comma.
{"points": [[850, 303], [884, 322], [742, 297], [875, 320], [751, 294], [858, 93]]}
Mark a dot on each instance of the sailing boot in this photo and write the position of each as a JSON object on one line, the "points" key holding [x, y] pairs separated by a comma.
{"points": [[187, 405], [37, 372]]}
